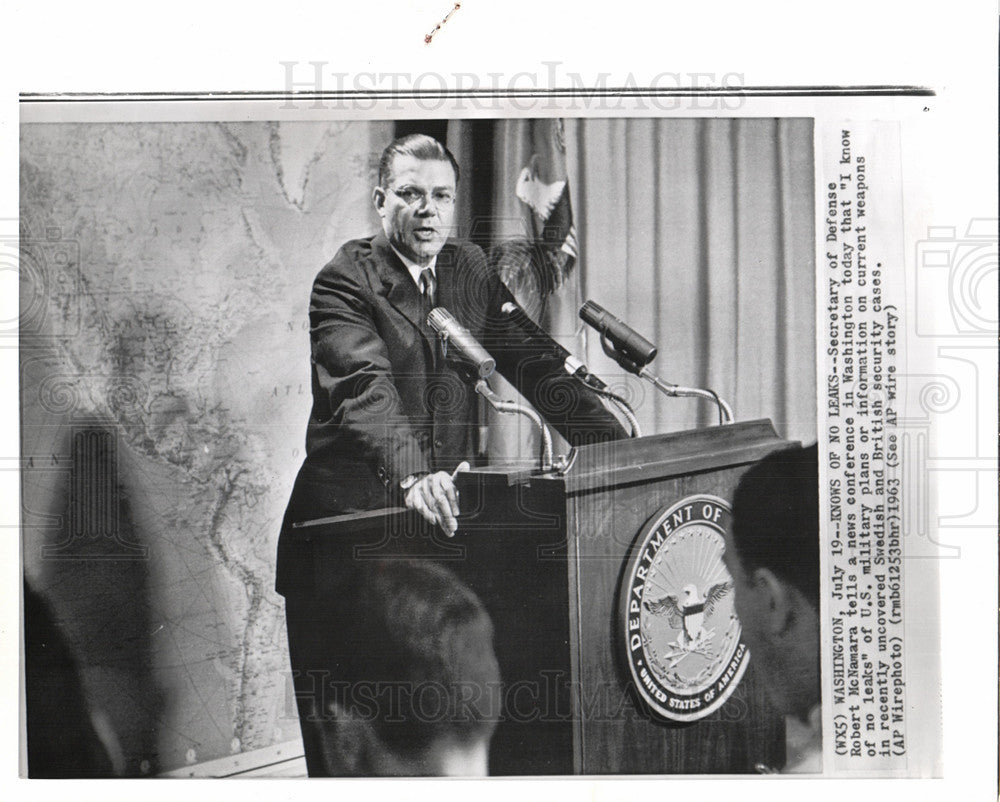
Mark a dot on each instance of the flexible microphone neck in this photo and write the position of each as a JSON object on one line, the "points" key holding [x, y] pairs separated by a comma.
{"points": [[527, 329]]}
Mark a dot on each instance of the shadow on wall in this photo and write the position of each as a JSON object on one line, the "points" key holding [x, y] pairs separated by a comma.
{"points": [[93, 703]]}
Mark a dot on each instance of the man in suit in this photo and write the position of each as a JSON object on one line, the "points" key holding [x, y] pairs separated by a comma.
{"points": [[392, 419]]}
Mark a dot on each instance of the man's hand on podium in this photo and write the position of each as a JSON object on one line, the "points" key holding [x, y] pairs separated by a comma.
{"points": [[434, 496]]}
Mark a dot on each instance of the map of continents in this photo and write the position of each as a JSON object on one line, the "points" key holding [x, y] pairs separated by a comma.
{"points": [[165, 273]]}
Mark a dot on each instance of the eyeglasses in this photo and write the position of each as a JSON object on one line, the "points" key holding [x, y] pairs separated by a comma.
{"points": [[412, 196]]}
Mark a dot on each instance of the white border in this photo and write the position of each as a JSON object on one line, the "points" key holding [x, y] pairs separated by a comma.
{"points": [[105, 46]]}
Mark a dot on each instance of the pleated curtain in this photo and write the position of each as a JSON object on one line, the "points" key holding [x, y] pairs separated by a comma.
{"points": [[696, 232]]}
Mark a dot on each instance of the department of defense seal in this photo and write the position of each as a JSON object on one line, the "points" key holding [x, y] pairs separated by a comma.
{"points": [[681, 635]]}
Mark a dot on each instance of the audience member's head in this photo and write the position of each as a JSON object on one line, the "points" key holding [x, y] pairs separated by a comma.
{"points": [[773, 554], [414, 682]]}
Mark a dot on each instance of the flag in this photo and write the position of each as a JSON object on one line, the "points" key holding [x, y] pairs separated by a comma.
{"points": [[538, 264], [542, 185]]}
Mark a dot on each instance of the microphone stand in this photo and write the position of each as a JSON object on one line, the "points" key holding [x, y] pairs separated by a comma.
{"points": [[626, 410], [450, 330], [672, 390], [675, 390], [500, 405], [620, 404], [527, 328]]}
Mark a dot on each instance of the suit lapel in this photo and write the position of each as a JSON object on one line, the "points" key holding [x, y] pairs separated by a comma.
{"points": [[402, 292]]}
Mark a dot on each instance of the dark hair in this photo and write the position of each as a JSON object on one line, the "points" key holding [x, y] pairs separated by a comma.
{"points": [[420, 146], [776, 518], [411, 652]]}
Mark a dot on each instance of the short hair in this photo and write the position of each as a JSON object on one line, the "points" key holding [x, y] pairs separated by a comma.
{"points": [[420, 146], [776, 518], [411, 653]]}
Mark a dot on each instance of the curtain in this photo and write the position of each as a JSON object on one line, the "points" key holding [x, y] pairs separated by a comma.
{"points": [[696, 232], [699, 234]]}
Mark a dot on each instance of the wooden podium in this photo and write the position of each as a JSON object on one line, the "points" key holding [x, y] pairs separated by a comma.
{"points": [[546, 553]]}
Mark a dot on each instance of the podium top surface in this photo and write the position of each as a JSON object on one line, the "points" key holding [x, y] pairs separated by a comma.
{"points": [[645, 459]]}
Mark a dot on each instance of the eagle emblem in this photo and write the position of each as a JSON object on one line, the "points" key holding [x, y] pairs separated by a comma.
{"points": [[689, 612], [681, 636]]}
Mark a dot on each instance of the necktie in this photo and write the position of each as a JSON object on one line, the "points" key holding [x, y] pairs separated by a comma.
{"points": [[427, 286]]}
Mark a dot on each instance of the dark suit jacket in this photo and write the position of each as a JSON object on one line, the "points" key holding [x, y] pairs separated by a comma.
{"points": [[386, 404]]}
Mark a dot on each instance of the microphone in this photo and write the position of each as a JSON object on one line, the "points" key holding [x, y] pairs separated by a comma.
{"points": [[533, 334], [629, 343], [453, 332]]}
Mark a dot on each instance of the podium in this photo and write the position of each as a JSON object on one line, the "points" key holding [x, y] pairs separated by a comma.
{"points": [[549, 555]]}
